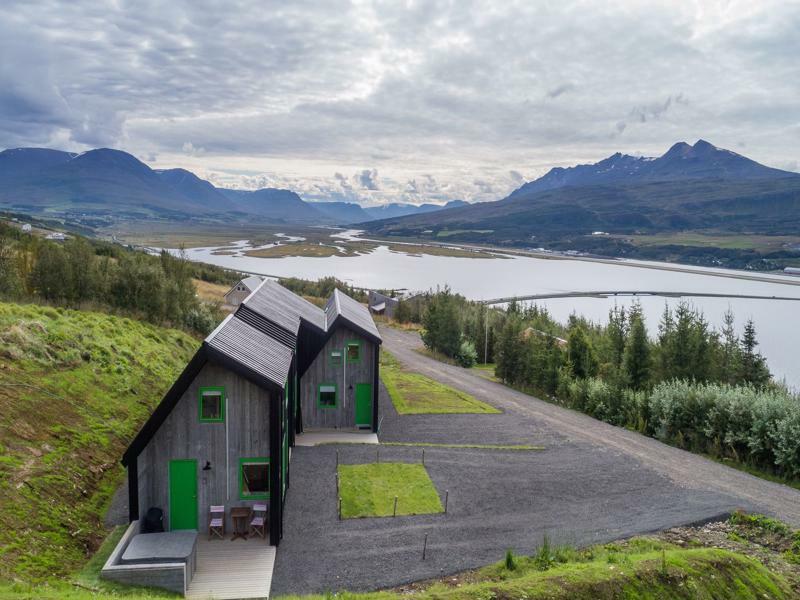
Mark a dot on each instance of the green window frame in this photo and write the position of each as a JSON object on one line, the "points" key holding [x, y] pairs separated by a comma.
{"points": [[207, 392], [352, 344], [320, 391], [254, 461], [336, 358]]}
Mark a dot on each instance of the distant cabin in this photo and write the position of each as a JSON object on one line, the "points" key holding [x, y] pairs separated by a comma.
{"points": [[381, 304], [792, 270], [26, 228], [241, 290], [275, 368]]}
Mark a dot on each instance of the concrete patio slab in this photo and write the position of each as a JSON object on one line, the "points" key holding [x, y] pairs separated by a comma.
{"points": [[318, 438]]}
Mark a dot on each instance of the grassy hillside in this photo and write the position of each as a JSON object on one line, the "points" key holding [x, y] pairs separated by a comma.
{"points": [[74, 388]]}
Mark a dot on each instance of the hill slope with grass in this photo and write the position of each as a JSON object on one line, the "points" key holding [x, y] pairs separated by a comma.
{"points": [[74, 388]]}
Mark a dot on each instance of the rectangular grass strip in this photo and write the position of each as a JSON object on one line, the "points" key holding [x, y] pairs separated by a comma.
{"points": [[511, 447], [369, 490], [415, 394]]}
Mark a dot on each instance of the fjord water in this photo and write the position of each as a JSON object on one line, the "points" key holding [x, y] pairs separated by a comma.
{"points": [[777, 321]]}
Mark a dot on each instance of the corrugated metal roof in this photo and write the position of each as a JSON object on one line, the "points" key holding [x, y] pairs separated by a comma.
{"points": [[252, 282], [252, 349], [342, 305], [277, 304]]}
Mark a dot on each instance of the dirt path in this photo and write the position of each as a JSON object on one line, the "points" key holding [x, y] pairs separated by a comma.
{"points": [[683, 468]]}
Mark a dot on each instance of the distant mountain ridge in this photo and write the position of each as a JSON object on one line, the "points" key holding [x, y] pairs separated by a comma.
{"points": [[688, 187], [680, 163], [105, 181]]}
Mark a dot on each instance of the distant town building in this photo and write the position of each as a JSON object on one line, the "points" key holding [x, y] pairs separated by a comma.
{"points": [[26, 228], [241, 290], [792, 270], [56, 236]]}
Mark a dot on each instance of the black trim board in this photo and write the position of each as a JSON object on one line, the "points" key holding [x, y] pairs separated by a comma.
{"points": [[166, 405], [276, 465], [375, 387], [133, 489]]}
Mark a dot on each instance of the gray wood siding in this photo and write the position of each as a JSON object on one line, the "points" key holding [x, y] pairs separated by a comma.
{"points": [[323, 371], [183, 436]]}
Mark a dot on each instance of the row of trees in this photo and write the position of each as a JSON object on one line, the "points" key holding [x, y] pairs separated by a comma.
{"points": [[618, 372], [78, 272]]}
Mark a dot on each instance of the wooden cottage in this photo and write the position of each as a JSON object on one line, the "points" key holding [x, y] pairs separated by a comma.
{"points": [[241, 290], [223, 432]]}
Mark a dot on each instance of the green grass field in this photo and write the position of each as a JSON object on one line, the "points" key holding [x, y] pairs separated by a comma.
{"points": [[761, 243], [369, 490], [414, 394], [75, 386]]}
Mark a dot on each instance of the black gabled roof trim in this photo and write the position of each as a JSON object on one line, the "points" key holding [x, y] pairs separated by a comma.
{"points": [[166, 405], [342, 320]]}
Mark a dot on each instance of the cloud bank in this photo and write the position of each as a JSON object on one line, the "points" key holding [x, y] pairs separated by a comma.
{"points": [[381, 101]]}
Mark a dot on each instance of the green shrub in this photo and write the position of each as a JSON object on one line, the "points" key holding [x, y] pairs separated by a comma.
{"points": [[510, 562]]}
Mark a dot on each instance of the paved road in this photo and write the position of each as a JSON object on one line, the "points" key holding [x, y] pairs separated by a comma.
{"points": [[685, 469], [591, 484]]}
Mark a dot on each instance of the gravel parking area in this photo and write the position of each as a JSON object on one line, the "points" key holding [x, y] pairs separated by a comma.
{"points": [[592, 483]]}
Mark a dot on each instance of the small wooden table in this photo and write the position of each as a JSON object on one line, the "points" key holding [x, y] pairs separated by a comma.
{"points": [[240, 515]]}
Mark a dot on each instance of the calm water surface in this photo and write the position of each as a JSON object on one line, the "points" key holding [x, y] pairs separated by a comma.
{"points": [[777, 322]]}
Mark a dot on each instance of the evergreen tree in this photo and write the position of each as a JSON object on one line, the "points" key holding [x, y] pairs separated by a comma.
{"points": [[615, 334], [442, 325], [636, 360], [730, 358], [509, 351], [753, 367], [581, 353]]}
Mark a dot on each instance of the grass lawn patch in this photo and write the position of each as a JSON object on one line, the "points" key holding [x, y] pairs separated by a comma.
{"points": [[414, 394], [369, 490]]}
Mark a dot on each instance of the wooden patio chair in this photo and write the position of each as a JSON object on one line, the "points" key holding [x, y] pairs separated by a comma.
{"points": [[216, 521], [258, 525]]}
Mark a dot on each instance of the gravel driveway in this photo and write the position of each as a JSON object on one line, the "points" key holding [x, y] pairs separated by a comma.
{"points": [[592, 483]]}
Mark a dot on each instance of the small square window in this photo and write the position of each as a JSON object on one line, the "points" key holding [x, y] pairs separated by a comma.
{"points": [[253, 478], [327, 396], [212, 405], [336, 358], [353, 351]]}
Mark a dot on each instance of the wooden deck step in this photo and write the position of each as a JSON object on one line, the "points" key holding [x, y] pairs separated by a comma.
{"points": [[229, 570]]}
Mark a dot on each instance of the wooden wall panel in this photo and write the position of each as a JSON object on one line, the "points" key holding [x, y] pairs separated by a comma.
{"points": [[345, 376], [183, 436]]}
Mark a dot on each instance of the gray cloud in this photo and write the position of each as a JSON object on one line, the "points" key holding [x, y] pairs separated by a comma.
{"points": [[368, 179], [444, 100], [560, 89]]}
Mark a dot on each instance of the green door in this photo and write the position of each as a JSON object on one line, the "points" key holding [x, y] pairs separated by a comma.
{"points": [[182, 494], [364, 405]]}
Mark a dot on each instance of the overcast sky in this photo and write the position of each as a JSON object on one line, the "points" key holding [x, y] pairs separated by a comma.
{"points": [[379, 102]]}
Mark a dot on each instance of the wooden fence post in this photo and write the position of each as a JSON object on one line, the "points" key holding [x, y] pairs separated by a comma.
{"points": [[424, 546], [340, 508], [337, 459], [423, 457], [446, 496], [395, 507]]}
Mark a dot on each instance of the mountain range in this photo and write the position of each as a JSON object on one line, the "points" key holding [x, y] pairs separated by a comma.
{"points": [[107, 182], [693, 187]]}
